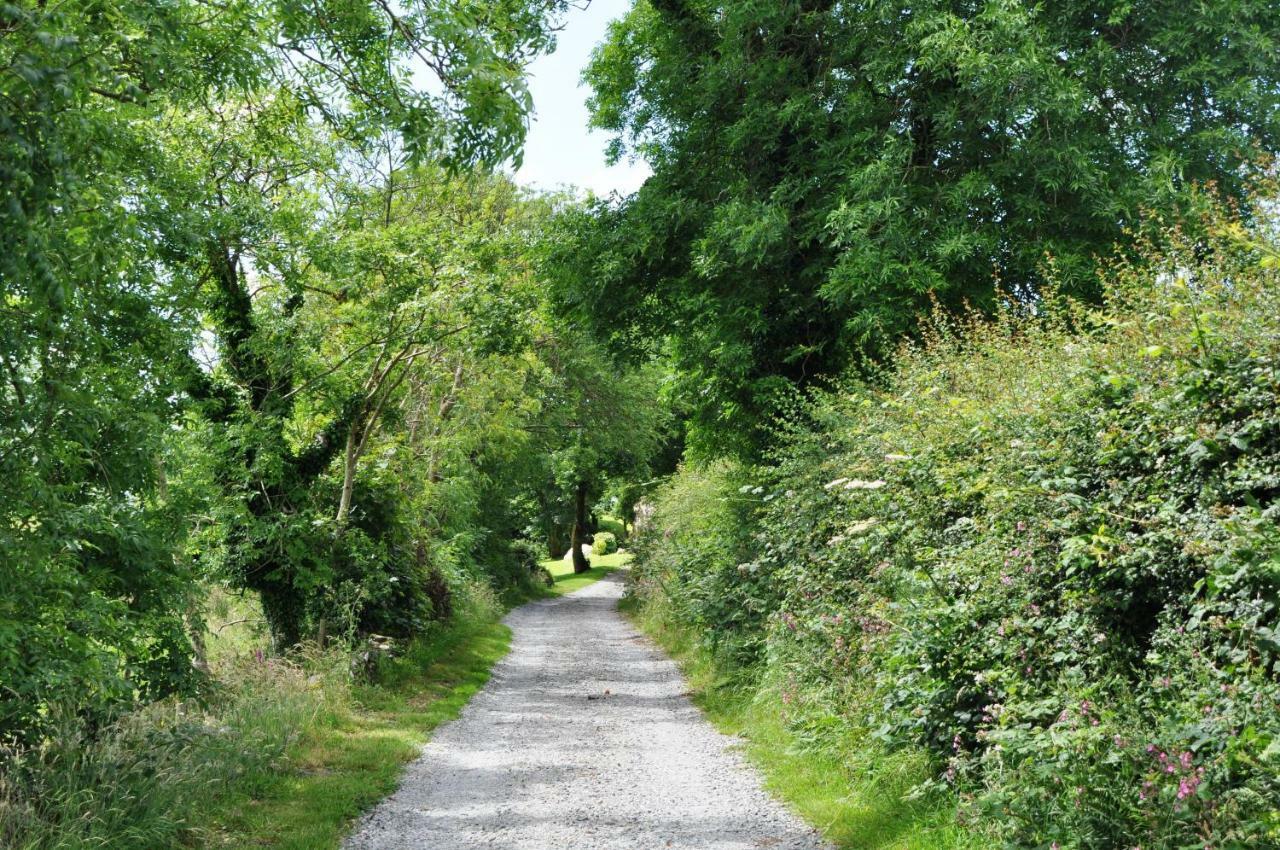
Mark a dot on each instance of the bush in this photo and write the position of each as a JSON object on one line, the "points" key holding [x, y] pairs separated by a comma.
{"points": [[604, 543], [1045, 549], [529, 555], [700, 555]]}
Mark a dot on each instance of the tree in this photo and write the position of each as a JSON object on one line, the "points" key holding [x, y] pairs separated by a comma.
{"points": [[116, 250], [824, 171], [596, 423]]}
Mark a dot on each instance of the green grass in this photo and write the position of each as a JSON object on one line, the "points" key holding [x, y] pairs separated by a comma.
{"points": [[614, 526], [285, 753], [854, 793], [601, 566], [344, 765], [341, 767]]}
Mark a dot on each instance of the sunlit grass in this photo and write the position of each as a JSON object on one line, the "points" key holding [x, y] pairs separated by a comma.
{"points": [[601, 566], [340, 768]]}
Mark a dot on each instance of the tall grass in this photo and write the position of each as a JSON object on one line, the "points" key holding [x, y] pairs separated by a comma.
{"points": [[179, 773]]}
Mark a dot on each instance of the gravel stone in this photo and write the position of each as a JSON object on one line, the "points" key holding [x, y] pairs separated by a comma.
{"points": [[583, 739]]}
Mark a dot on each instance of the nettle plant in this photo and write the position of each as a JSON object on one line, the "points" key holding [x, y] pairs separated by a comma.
{"points": [[1045, 548]]}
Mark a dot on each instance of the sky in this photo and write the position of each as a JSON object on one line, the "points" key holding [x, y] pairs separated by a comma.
{"points": [[560, 151]]}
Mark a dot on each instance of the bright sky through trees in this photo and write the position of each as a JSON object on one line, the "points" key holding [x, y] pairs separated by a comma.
{"points": [[560, 150]]}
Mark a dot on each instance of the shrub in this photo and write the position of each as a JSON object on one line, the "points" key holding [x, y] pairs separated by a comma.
{"points": [[604, 543], [1044, 549], [529, 555], [700, 556]]}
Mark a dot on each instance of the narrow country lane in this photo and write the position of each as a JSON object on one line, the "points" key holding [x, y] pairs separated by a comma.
{"points": [[582, 739]]}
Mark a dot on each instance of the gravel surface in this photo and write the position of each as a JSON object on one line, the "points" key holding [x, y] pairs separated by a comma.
{"points": [[583, 738]]}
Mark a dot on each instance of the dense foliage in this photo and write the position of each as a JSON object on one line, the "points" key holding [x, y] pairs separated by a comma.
{"points": [[269, 322], [1043, 549], [824, 171], [273, 325]]}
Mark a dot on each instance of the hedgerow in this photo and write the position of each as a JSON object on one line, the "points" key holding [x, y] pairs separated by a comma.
{"points": [[1043, 549]]}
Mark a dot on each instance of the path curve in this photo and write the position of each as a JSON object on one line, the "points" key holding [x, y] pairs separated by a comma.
{"points": [[533, 763]]}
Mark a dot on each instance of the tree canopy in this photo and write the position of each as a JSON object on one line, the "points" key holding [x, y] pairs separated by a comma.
{"points": [[824, 171], [219, 265]]}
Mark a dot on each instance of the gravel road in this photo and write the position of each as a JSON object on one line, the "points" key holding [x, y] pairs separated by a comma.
{"points": [[582, 739]]}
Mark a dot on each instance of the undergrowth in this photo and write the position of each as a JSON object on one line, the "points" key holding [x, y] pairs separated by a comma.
{"points": [[284, 752], [1039, 558]]}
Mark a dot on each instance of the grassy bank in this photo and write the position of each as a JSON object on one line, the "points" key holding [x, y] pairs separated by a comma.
{"points": [[856, 795], [352, 758], [283, 753], [347, 764]]}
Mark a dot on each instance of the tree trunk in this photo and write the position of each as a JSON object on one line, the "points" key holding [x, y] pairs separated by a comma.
{"points": [[442, 415], [580, 562], [283, 609], [555, 540], [348, 479]]}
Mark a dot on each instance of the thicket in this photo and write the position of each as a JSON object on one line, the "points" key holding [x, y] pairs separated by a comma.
{"points": [[1042, 549], [271, 322]]}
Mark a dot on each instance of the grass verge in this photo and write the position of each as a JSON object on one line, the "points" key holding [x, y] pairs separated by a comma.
{"points": [[353, 759], [285, 753], [342, 767], [855, 794]]}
